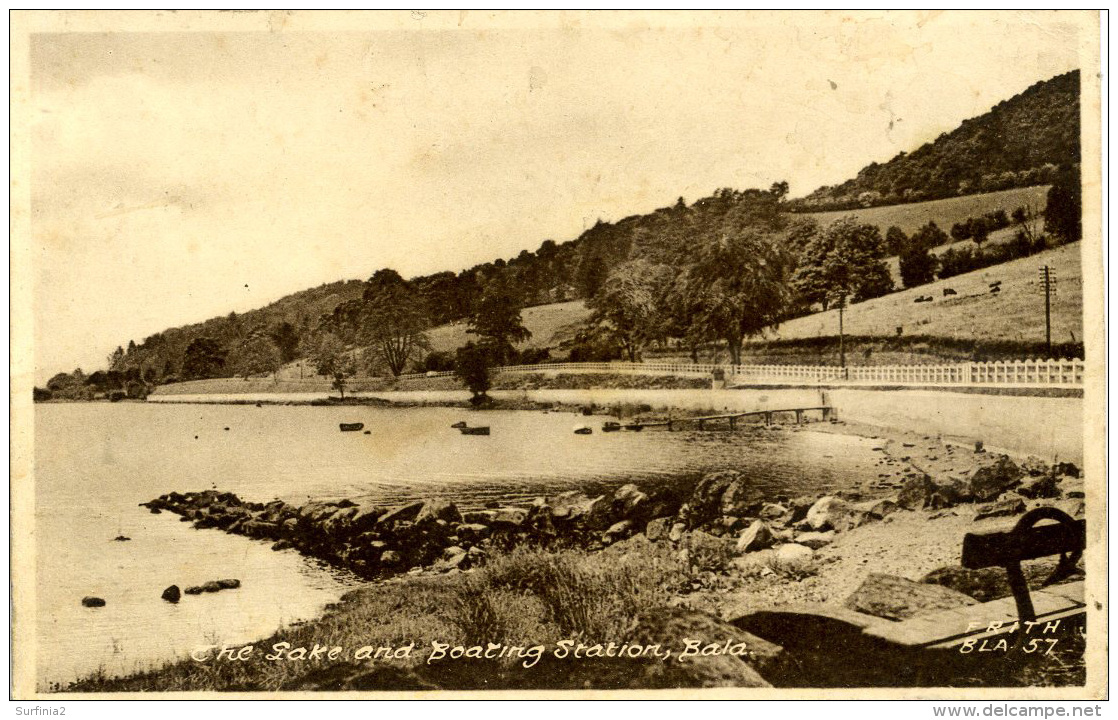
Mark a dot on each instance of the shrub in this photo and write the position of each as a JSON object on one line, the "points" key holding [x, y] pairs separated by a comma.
{"points": [[437, 362], [708, 553]]}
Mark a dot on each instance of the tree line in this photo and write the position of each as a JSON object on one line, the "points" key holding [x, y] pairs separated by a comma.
{"points": [[718, 271]]}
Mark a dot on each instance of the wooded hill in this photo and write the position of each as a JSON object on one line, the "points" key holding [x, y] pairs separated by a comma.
{"points": [[1022, 141], [1027, 140]]}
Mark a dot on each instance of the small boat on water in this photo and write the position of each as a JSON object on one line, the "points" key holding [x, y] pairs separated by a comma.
{"points": [[611, 426], [583, 430], [635, 427], [351, 427], [459, 425], [484, 430]]}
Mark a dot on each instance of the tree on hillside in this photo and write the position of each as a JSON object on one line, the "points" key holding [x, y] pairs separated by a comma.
{"points": [[591, 273], [736, 288], [286, 339], [917, 265], [842, 263], [331, 359], [929, 236], [116, 359], [497, 321], [800, 232], [1063, 215], [628, 305], [204, 358], [392, 321], [895, 240], [255, 355]]}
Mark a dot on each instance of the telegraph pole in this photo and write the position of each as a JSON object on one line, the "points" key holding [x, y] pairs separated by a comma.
{"points": [[1047, 278]]}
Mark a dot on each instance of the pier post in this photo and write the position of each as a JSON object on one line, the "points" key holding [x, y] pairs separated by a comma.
{"points": [[799, 417], [732, 422]]}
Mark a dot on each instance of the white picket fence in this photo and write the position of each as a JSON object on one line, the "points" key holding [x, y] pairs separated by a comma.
{"points": [[1015, 373]]}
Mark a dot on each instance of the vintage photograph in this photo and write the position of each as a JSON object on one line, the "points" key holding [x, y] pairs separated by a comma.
{"points": [[444, 352]]}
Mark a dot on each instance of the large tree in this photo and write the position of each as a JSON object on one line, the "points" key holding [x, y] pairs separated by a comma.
{"points": [[286, 339], [204, 358], [629, 305], [471, 366], [497, 322], [392, 321], [255, 355], [737, 287], [330, 358], [1063, 214], [841, 263]]}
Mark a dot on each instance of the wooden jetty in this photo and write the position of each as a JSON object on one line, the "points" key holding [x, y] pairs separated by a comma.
{"points": [[766, 415]]}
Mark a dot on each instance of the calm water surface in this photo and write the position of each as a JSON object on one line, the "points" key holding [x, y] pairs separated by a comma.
{"points": [[96, 462]]}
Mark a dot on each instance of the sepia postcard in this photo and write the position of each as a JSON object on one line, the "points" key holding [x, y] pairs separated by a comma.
{"points": [[463, 354]]}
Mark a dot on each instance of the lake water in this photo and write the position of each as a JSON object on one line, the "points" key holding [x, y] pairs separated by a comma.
{"points": [[96, 462]]}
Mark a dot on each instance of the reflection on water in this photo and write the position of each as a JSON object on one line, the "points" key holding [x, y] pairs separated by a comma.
{"points": [[96, 462]]}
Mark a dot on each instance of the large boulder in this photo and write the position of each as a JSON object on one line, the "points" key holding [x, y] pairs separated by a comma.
{"points": [[718, 494], [756, 537], [992, 479], [314, 512], [798, 507], [403, 513], [338, 524], [742, 499], [832, 513], [896, 598], [794, 554], [574, 508], [618, 531], [260, 530], [916, 492], [509, 518], [876, 509], [658, 529], [772, 512], [438, 509], [365, 518], [630, 503], [1039, 486], [473, 532]]}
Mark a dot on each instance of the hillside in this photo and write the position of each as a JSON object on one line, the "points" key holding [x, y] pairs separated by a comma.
{"points": [[945, 212], [1016, 313], [1021, 142], [1013, 152]]}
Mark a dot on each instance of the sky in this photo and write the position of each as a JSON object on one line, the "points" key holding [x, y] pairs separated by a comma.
{"points": [[176, 176]]}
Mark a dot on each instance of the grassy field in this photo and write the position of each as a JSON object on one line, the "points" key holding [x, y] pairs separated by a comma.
{"points": [[549, 325], [1016, 313], [944, 212]]}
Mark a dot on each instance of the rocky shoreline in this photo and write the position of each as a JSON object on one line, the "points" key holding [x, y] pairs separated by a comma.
{"points": [[435, 536]]}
